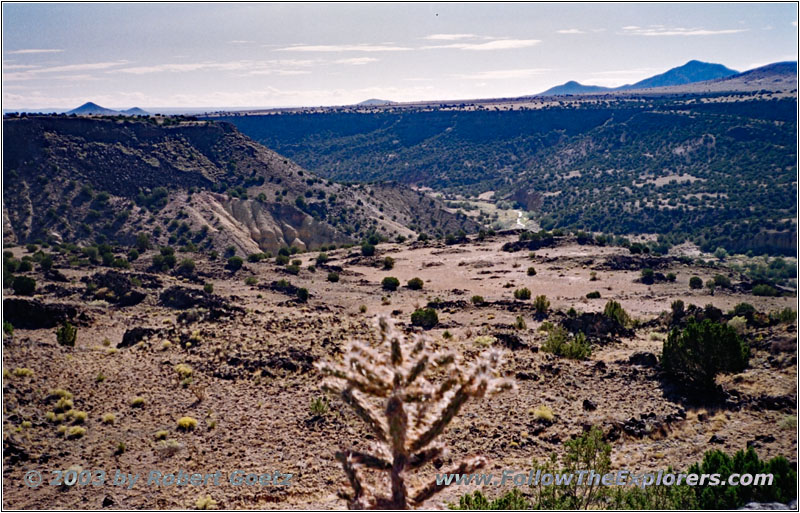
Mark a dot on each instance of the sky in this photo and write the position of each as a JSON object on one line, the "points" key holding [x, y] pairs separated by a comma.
{"points": [[210, 55]]}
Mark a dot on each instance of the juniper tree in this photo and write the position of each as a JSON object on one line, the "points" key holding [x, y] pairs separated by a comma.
{"points": [[387, 387]]}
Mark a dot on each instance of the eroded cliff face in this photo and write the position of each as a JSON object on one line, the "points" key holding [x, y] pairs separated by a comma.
{"points": [[253, 226]]}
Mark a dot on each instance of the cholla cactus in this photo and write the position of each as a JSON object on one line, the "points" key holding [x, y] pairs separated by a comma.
{"points": [[387, 388]]}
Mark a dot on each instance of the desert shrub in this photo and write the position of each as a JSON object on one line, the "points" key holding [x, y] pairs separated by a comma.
{"points": [[187, 423], [477, 300], [390, 283], [720, 280], [671, 277], [8, 328], [205, 502], [137, 402], [133, 255], [695, 282], [142, 242], [362, 309], [24, 286], [322, 258], [782, 489], [234, 263], [293, 269], [282, 259], [186, 267], [759, 290], [695, 355], [541, 304], [593, 295], [23, 372], [415, 283], [78, 417], [647, 275], [108, 418], [561, 343], [522, 294], [426, 318], [614, 310], [738, 323], [544, 413], [162, 434], [745, 310], [677, 308], [297, 262], [319, 406], [25, 265], [388, 263], [531, 271], [367, 249], [208, 287], [333, 277], [75, 432], [512, 500], [183, 370], [66, 334], [520, 324], [787, 315], [250, 280], [302, 294]]}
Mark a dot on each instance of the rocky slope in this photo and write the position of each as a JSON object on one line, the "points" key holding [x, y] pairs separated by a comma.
{"points": [[72, 179]]}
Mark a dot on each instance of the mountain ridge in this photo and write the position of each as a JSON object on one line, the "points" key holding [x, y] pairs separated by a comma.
{"points": [[691, 72]]}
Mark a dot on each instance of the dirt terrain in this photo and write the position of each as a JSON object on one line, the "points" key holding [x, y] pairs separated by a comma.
{"points": [[251, 350]]}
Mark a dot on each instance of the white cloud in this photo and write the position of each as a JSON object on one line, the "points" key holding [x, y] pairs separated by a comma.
{"points": [[502, 74], [570, 31], [449, 37], [660, 30], [343, 48], [37, 72], [239, 42], [499, 44], [34, 50], [249, 67], [356, 61]]}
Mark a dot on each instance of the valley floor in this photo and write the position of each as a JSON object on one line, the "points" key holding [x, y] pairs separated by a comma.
{"points": [[252, 378]]}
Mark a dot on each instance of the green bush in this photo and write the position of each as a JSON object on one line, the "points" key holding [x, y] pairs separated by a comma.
{"points": [[593, 295], [390, 283], [208, 287], [322, 258], [765, 290], [333, 277], [415, 283], [477, 300], [186, 267], [302, 295], [282, 259], [531, 271], [367, 249], [522, 294], [720, 280], [388, 263], [234, 263], [695, 355], [745, 310], [24, 286], [614, 310], [512, 500], [562, 343], [695, 282], [541, 304], [66, 334], [426, 318], [648, 276], [783, 488]]}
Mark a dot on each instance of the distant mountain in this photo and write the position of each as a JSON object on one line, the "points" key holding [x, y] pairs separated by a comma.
{"points": [[778, 76], [573, 87], [692, 71], [92, 109], [136, 111], [374, 102]]}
